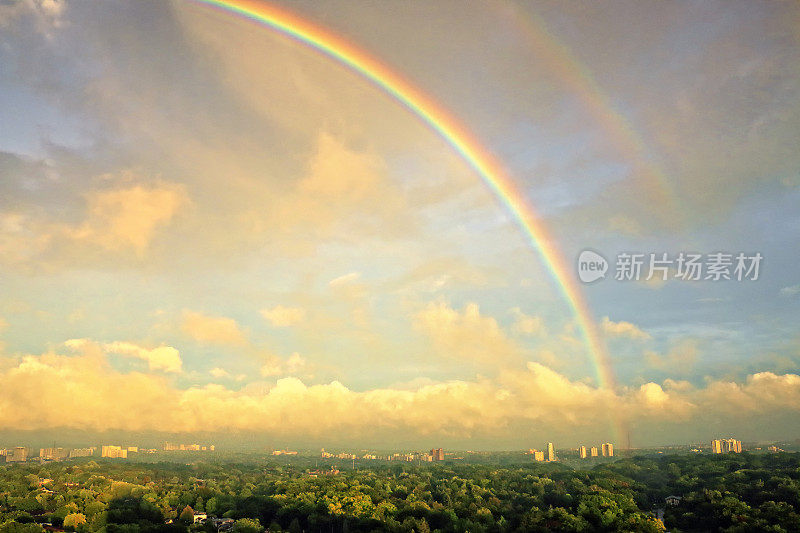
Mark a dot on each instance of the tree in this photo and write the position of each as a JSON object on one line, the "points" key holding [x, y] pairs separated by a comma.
{"points": [[247, 525], [73, 520], [14, 527], [186, 516], [294, 526]]}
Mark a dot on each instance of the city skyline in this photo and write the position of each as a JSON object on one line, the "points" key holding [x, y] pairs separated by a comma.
{"points": [[347, 236]]}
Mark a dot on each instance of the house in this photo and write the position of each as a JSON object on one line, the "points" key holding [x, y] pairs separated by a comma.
{"points": [[200, 518], [673, 500], [222, 524]]}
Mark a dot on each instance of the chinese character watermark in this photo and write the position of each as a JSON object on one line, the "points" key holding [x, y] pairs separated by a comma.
{"points": [[661, 266]]}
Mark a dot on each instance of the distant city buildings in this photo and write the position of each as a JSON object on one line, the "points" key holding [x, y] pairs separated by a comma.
{"points": [[437, 454], [53, 454], [282, 452], [726, 446], [113, 452], [173, 447], [543, 455], [17, 455], [607, 449], [538, 455], [82, 452]]}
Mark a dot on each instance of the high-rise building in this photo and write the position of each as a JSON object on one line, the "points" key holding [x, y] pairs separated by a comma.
{"points": [[114, 452], [538, 455], [582, 452], [608, 450], [81, 452], [594, 451], [52, 454], [551, 452], [17, 455], [437, 454], [734, 445], [726, 446]]}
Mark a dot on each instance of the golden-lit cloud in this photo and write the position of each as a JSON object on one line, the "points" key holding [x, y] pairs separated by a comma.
{"points": [[527, 325], [293, 365], [679, 360], [345, 279], [218, 372], [467, 334], [623, 329], [212, 329], [762, 392], [94, 395], [164, 358], [22, 237], [119, 220], [128, 217], [281, 316]]}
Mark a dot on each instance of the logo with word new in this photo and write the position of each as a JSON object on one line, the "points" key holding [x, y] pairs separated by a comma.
{"points": [[591, 266]]}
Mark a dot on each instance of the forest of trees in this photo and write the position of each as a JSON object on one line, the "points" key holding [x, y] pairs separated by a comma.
{"points": [[732, 492]]}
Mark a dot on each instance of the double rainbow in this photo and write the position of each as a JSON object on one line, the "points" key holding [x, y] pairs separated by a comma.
{"points": [[467, 146]]}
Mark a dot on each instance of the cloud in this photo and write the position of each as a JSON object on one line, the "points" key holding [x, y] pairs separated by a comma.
{"points": [[678, 361], [47, 14], [112, 221], [164, 358], [344, 192], [467, 334], [792, 290], [345, 279], [128, 217], [623, 329], [760, 393], [281, 317], [218, 372], [91, 394], [624, 225], [274, 366], [526, 324], [212, 329]]}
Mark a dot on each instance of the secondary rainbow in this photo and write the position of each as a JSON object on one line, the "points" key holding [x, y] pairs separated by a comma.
{"points": [[469, 148], [577, 78]]}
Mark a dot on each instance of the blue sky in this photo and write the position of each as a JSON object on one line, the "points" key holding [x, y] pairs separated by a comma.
{"points": [[198, 212]]}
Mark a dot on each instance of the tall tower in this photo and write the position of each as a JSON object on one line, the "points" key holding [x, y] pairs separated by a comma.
{"points": [[608, 450], [582, 452], [551, 452]]}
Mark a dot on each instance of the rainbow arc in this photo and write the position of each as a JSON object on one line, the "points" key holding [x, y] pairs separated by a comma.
{"points": [[459, 138]]}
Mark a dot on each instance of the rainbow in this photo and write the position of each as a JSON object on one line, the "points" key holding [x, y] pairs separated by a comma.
{"points": [[466, 145], [578, 78]]}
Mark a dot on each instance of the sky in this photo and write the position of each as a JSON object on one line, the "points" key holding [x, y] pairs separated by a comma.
{"points": [[210, 228]]}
